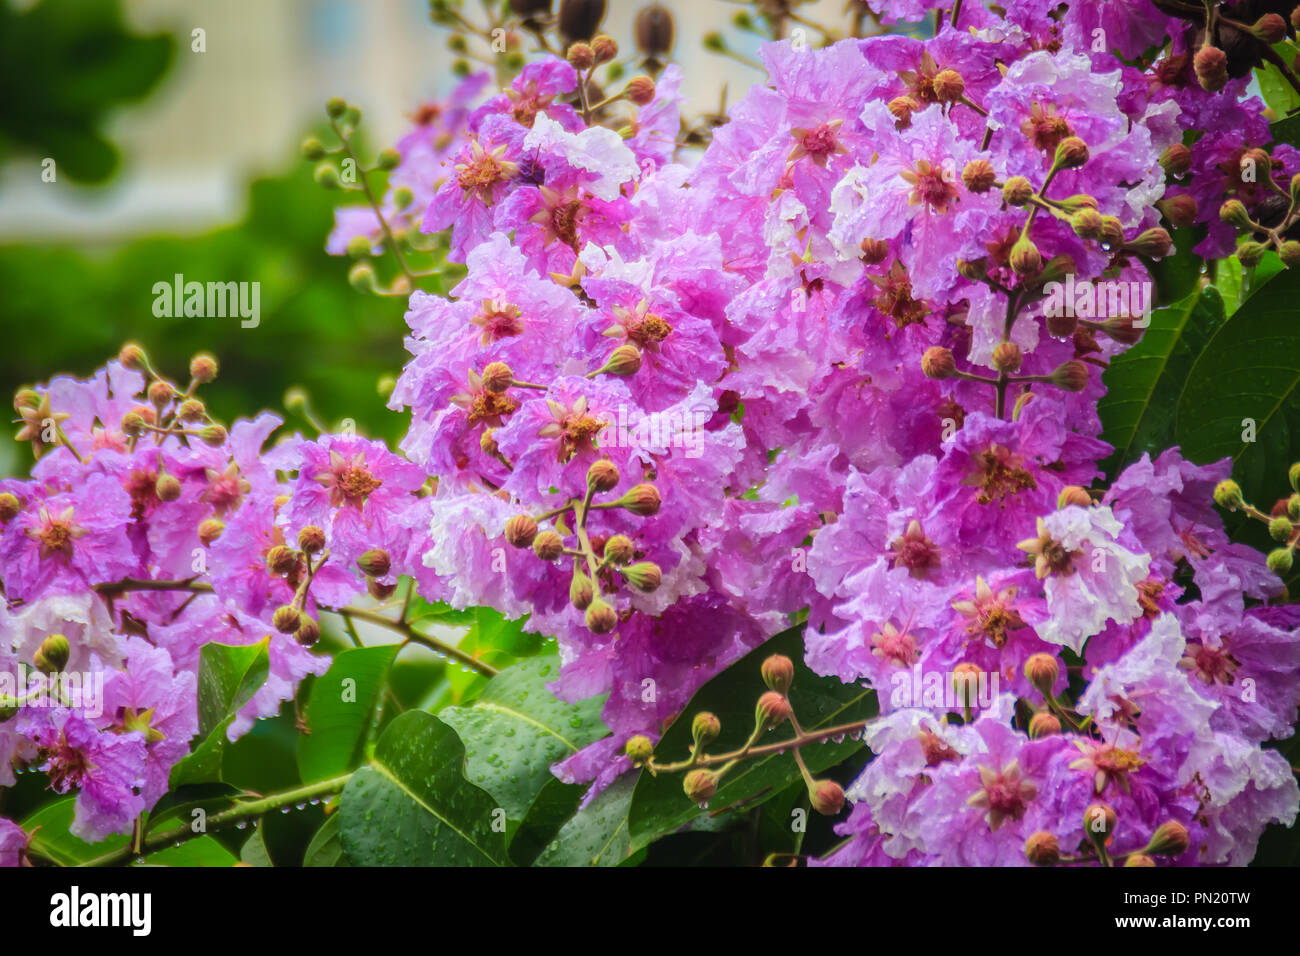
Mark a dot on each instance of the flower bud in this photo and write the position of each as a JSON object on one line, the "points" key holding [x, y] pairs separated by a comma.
{"points": [[308, 632], [210, 530], [705, 728], [581, 56], [619, 549], [281, 560], [9, 506], [639, 748], [1139, 860], [1280, 528], [1233, 212], [1042, 849], [1007, 357], [203, 368], [1099, 820], [1176, 160], [167, 487], [979, 176], [624, 360], [1017, 191], [1290, 253], [521, 530], [902, 108], [827, 797], [313, 149], [52, 656], [1086, 224], [1211, 66], [1061, 325], [1044, 724], [640, 90], [286, 619], [601, 617], [642, 499], [654, 30], [1279, 561], [1154, 242], [602, 475], [581, 590], [388, 159], [1071, 376], [487, 441], [375, 563], [1122, 329], [336, 106], [213, 435], [497, 377], [937, 362], [1227, 494], [1170, 839], [1249, 253], [1073, 495], [1112, 231], [1270, 28], [700, 785], [778, 673], [773, 710], [311, 539], [604, 47], [191, 410], [974, 269], [874, 251], [132, 356], [1025, 258], [644, 576], [1042, 671], [1071, 153], [548, 546], [1179, 210], [160, 393], [1292, 507]]}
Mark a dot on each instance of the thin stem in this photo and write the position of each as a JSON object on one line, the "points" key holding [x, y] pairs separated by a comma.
{"points": [[412, 634], [241, 811], [374, 204]]}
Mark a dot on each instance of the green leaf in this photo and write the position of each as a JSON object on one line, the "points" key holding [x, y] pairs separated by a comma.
{"points": [[550, 810], [229, 676], [659, 806], [517, 728], [254, 851], [597, 835], [1277, 93], [1249, 370], [411, 805], [1143, 383], [326, 849], [181, 802], [341, 710], [53, 839]]}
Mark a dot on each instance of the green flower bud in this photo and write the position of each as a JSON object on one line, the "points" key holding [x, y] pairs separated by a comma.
{"points": [[1279, 561], [1279, 528], [1170, 839], [644, 576], [778, 673], [1249, 253], [827, 797], [375, 563], [286, 619], [581, 591], [773, 709], [700, 785], [1227, 494], [1042, 849], [52, 656], [705, 728], [639, 748], [601, 618]]}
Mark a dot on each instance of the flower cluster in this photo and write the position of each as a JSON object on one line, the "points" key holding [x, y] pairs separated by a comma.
{"points": [[820, 371]]}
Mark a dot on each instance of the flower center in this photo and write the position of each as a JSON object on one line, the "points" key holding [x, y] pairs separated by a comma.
{"points": [[498, 322], [1213, 665], [931, 185], [899, 648], [999, 474]]}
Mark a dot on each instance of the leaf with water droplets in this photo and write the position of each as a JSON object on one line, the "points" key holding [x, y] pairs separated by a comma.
{"points": [[340, 711], [410, 805]]}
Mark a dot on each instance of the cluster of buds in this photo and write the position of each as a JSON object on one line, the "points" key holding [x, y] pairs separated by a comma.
{"points": [[1282, 520], [1100, 822], [1231, 39], [170, 412], [598, 563], [1021, 275], [1273, 223], [704, 772], [299, 566]]}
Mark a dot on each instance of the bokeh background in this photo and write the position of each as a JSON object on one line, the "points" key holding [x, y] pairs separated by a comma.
{"points": [[173, 161]]}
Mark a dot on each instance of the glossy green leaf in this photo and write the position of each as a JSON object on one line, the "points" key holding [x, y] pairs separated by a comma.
{"points": [[1143, 383], [326, 849], [516, 729], [341, 711], [597, 835], [1242, 397], [229, 676], [659, 806], [410, 805]]}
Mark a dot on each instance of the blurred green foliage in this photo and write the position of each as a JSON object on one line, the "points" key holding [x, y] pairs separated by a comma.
{"points": [[63, 65], [68, 309]]}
